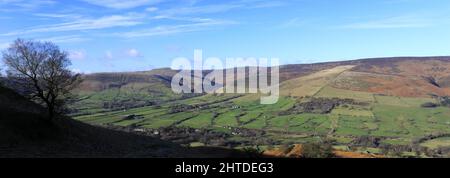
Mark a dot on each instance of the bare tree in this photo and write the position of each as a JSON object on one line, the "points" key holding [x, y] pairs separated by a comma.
{"points": [[40, 71]]}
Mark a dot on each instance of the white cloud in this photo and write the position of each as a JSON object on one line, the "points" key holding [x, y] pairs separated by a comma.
{"points": [[77, 54], [393, 22], [133, 53], [21, 5], [79, 71], [151, 9], [59, 16], [85, 24], [224, 7], [127, 53], [206, 9], [66, 39], [175, 29], [76, 71], [122, 4]]}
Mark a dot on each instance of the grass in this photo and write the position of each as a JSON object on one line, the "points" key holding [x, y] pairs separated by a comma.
{"points": [[228, 118], [133, 92], [354, 126], [402, 118], [281, 123], [309, 123], [410, 121], [330, 92], [438, 142], [202, 120], [311, 84], [352, 111], [398, 119], [166, 120], [401, 101]]}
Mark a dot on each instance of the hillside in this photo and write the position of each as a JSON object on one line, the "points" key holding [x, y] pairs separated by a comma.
{"points": [[366, 107], [373, 106], [25, 134], [424, 71], [417, 77]]}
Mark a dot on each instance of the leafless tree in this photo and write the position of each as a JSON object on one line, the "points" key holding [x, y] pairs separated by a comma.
{"points": [[39, 70]]}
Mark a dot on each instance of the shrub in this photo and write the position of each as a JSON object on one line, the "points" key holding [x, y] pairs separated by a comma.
{"points": [[253, 152], [429, 105], [317, 150]]}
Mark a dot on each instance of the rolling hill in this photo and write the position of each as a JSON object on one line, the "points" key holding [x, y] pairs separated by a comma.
{"points": [[370, 105]]}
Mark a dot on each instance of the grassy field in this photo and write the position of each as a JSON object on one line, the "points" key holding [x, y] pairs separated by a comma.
{"points": [[401, 101], [395, 120], [398, 120], [311, 84], [438, 142], [330, 92]]}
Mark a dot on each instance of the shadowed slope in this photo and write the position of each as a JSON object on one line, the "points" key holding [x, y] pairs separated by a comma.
{"points": [[23, 133]]}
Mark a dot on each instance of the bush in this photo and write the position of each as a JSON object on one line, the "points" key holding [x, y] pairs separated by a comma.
{"points": [[317, 150], [253, 152], [445, 101], [367, 141], [429, 105]]}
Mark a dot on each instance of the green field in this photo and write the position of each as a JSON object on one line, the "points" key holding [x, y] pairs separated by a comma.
{"points": [[438, 142], [397, 120], [330, 92]]}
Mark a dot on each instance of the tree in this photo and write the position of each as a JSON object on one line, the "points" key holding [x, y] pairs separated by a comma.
{"points": [[318, 150], [39, 70]]}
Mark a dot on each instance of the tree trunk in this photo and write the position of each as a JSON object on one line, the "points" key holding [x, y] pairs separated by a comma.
{"points": [[51, 113]]}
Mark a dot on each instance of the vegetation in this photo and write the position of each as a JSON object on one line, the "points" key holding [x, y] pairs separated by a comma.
{"points": [[317, 150], [40, 71], [366, 111], [372, 127]]}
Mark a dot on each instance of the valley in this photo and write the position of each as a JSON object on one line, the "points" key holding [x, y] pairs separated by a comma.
{"points": [[368, 106]]}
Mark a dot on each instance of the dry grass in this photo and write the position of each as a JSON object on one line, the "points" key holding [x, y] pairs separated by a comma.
{"points": [[311, 84], [297, 152], [348, 154]]}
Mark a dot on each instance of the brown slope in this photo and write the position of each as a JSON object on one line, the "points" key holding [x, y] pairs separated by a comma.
{"points": [[399, 76], [102, 81], [409, 77]]}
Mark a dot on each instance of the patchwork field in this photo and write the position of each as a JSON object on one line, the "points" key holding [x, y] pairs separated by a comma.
{"points": [[397, 120], [337, 103]]}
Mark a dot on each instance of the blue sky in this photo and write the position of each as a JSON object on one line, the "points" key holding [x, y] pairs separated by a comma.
{"points": [[114, 35]]}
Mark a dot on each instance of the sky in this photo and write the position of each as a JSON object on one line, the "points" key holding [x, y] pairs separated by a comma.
{"points": [[137, 35]]}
